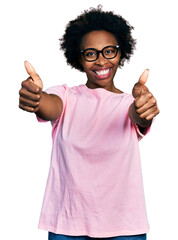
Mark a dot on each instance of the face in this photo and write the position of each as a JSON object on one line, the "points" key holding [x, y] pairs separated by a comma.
{"points": [[101, 72]]}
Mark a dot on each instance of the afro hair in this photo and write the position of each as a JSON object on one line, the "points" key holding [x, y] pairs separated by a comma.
{"points": [[93, 20]]}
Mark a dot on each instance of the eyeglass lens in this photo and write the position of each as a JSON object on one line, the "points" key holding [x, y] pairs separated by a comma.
{"points": [[108, 52]]}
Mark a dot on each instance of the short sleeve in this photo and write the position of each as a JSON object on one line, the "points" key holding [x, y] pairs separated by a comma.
{"points": [[57, 90]]}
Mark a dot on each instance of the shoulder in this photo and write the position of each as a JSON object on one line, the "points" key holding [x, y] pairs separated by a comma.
{"points": [[61, 89]]}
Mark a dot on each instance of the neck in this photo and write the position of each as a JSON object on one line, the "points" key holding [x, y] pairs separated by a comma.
{"points": [[109, 87]]}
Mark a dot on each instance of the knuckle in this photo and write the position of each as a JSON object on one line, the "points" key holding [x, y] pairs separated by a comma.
{"points": [[20, 106], [136, 104], [36, 104], [38, 96], [20, 91], [22, 83], [154, 102], [20, 99], [150, 95], [26, 82], [156, 109]]}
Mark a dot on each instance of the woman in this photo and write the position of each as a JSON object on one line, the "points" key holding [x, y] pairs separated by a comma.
{"points": [[94, 188]]}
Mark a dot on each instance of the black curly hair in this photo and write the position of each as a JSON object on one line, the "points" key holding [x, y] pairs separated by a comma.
{"points": [[91, 20]]}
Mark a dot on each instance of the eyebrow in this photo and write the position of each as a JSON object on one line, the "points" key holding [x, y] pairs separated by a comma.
{"points": [[101, 49]]}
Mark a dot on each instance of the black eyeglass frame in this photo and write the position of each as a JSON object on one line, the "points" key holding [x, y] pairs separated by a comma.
{"points": [[100, 51]]}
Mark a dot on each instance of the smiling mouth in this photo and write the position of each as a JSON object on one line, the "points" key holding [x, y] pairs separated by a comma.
{"points": [[102, 72]]}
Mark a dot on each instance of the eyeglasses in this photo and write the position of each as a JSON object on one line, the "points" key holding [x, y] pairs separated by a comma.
{"points": [[92, 54]]}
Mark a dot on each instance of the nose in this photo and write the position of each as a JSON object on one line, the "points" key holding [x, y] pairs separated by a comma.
{"points": [[101, 60]]}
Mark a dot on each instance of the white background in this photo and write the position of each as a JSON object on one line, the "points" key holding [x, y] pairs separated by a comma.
{"points": [[30, 31]]}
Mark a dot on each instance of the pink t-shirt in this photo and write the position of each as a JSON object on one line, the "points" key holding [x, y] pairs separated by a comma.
{"points": [[95, 185]]}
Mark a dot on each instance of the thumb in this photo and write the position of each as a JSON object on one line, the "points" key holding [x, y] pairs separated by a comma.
{"points": [[143, 78], [35, 77], [140, 88]]}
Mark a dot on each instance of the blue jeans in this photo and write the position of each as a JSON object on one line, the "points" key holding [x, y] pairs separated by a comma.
{"points": [[53, 236]]}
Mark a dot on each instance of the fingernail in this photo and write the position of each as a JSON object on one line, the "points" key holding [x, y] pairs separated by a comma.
{"points": [[25, 62]]}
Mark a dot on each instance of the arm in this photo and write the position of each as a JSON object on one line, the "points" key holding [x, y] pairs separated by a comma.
{"points": [[50, 107]]}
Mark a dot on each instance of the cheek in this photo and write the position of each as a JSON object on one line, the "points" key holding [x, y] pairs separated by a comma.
{"points": [[117, 60], [86, 66]]}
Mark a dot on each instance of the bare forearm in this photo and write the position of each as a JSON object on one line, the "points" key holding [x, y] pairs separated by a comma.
{"points": [[50, 107]]}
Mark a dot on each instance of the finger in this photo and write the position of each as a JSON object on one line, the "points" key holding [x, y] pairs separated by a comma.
{"points": [[151, 103], [31, 86], [151, 116], [27, 102], [143, 78], [153, 111], [27, 108], [143, 99], [29, 95]]}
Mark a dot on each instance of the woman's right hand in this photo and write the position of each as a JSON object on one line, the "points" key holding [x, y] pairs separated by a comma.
{"points": [[31, 90], [32, 99]]}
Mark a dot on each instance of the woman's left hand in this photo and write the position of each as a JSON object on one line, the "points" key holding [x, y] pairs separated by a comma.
{"points": [[144, 108]]}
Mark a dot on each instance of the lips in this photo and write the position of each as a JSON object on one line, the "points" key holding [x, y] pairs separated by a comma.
{"points": [[102, 73]]}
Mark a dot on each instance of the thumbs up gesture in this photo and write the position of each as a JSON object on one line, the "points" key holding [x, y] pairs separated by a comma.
{"points": [[31, 91], [144, 108]]}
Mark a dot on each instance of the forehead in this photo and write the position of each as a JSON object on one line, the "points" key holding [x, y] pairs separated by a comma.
{"points": [[98, 40]]}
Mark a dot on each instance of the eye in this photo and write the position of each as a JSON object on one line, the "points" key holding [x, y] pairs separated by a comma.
{"points": [[90, 54], [109, 51]]}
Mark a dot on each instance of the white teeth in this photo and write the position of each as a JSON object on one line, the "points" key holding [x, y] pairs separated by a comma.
{"points": [[102, 72]]}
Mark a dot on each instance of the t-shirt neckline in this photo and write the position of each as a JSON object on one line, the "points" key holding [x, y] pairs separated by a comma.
{"points": [[101, 90]]}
